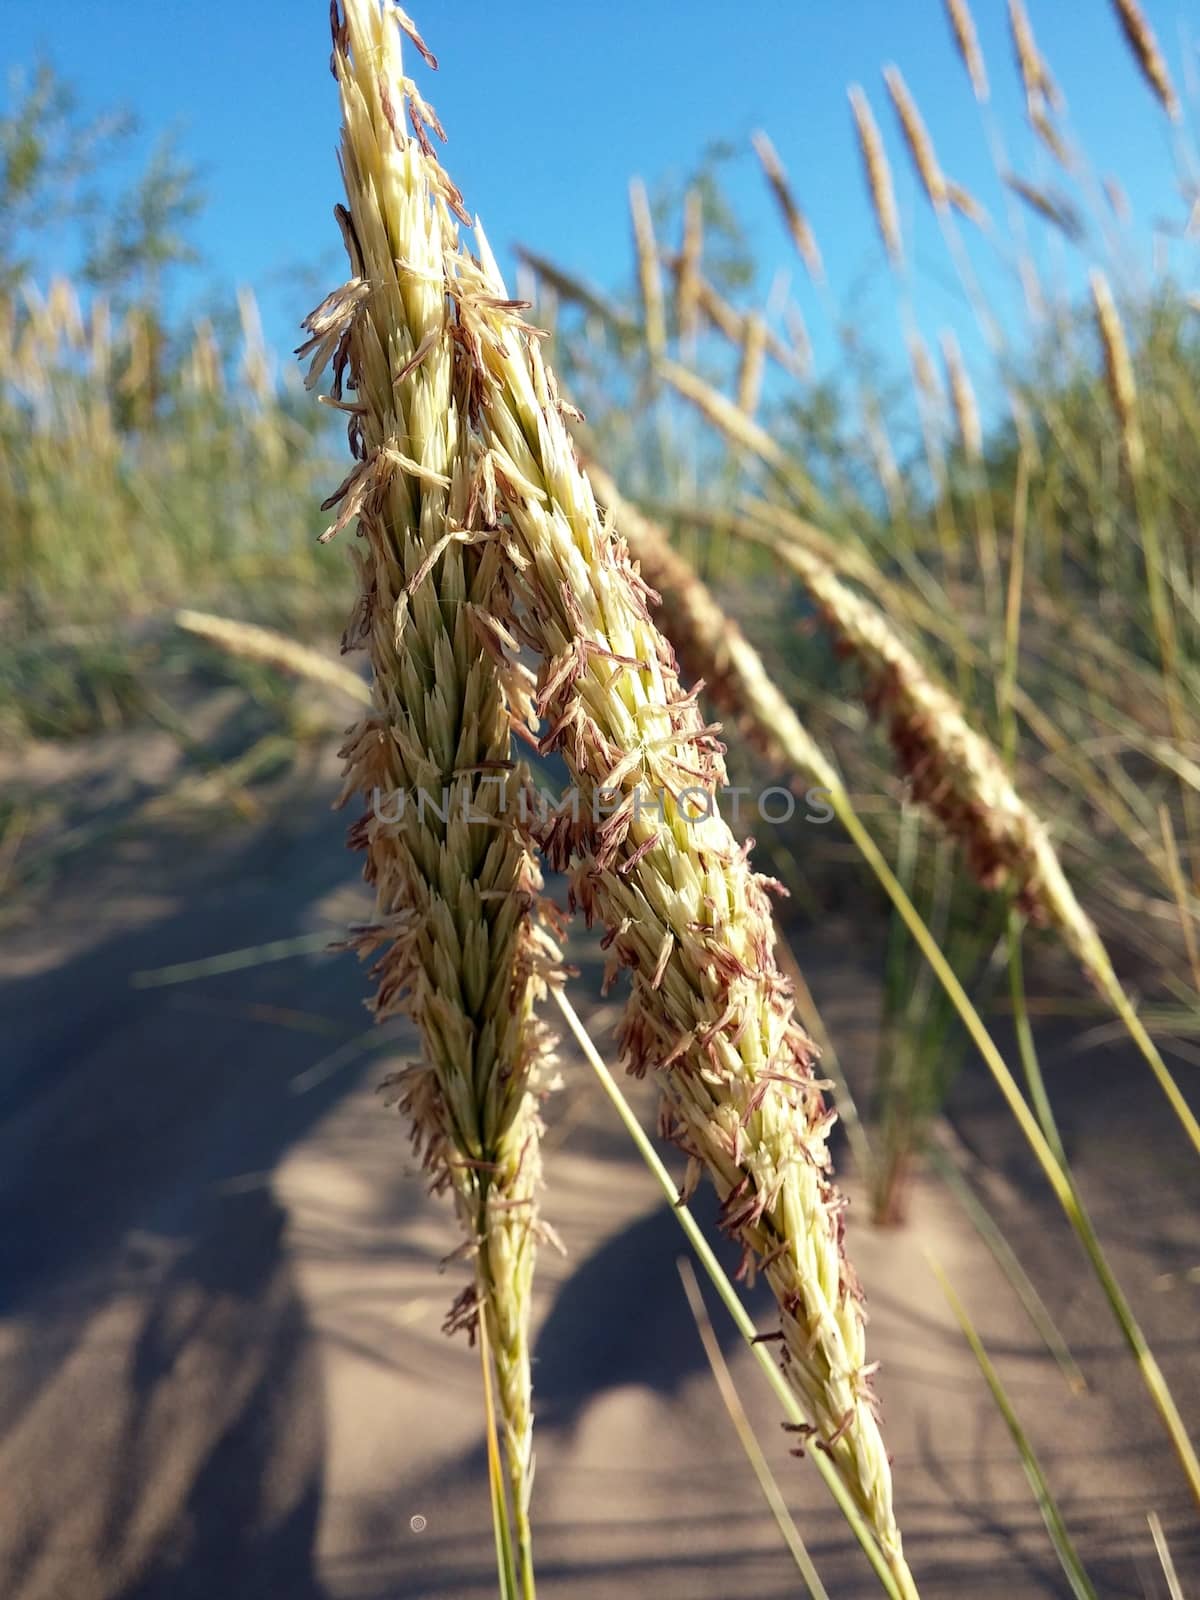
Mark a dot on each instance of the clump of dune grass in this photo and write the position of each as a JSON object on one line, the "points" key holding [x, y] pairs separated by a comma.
{"points": [[455, 940], [1031, 621], [119, 436]]}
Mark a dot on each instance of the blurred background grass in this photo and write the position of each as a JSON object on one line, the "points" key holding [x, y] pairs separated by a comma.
{"points": [[151, 459]]}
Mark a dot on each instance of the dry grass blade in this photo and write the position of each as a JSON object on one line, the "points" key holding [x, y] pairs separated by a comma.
{"points": [[1122, 388], [965, 203], [801, 347], [576, 292], [1040, 87], [884, 457], [233, 960], [962, 396], [726, 416], [1187, 918], [750, 367], [745, 1432], [1118, 370], [705, 300], [687, 271], [741, 430], [1049, 135], [929, 389], [739, 327]]}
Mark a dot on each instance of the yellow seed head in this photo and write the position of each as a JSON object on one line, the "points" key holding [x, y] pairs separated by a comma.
{"points": [[962, 395], [453, 937], [1118, 368], [967, 40], [879, 175], [649, 268], [916, 135], [1149, 57], [750, 369], [797, 223], [1040, 86]]}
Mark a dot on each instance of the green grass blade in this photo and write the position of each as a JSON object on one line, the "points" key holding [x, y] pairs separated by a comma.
{"points": [[1006, 1259], [505, 1569], [732, 1302], [255, 955], [746, 1435], [1081, 1584]]}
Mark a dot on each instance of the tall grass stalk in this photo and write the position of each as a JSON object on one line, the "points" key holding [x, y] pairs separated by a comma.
{"points": [[506, 1575], [454, 937], [715, 649], [709, 1010]]}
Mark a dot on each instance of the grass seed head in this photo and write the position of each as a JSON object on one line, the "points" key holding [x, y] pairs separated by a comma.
{"points": [[1036, 77], [879, 175], [1144, 45], [962, 395], [917, 137], [454, 939], [797, 223], [1118, 369], [649, 269], [657, 865], [967, 40]]}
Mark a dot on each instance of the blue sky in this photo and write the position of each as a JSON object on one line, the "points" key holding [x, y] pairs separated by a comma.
{"points": [[550, 108]]}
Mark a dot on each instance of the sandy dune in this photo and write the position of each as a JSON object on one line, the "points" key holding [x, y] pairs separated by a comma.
{"points": [[221, 1371]]}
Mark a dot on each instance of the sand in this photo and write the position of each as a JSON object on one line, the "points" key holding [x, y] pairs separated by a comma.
{"points": [[221, 1370]]}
